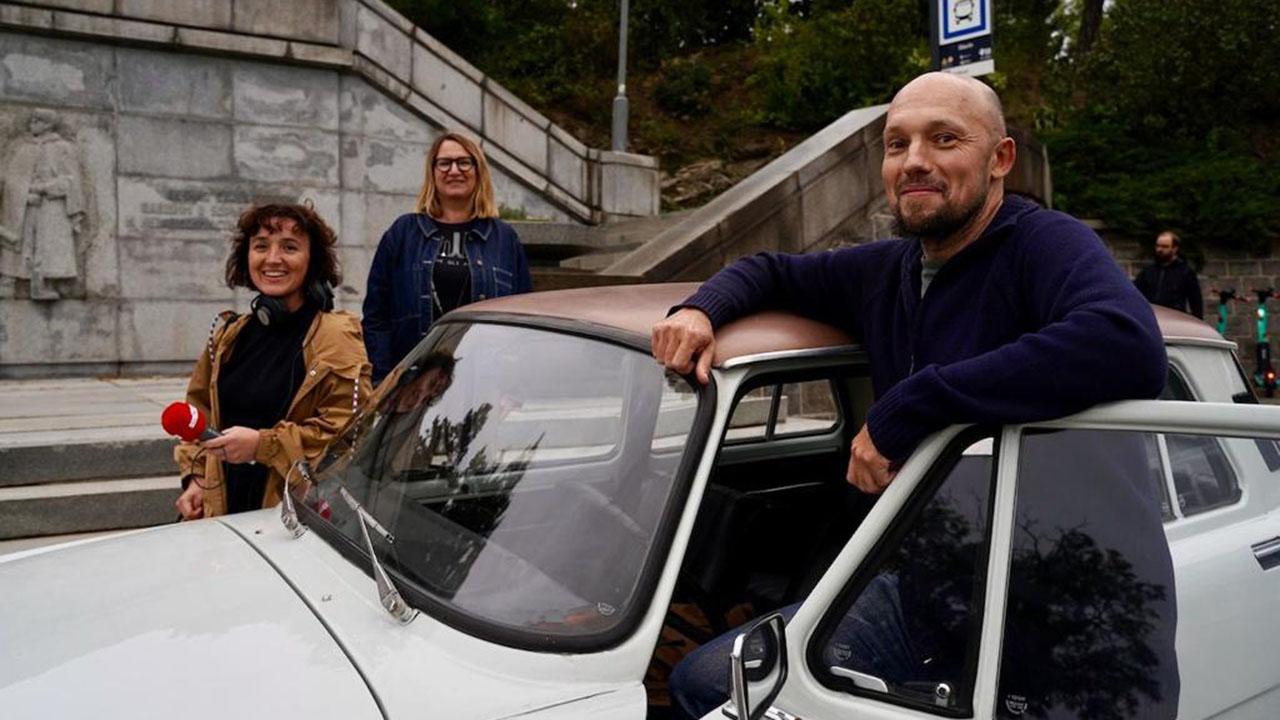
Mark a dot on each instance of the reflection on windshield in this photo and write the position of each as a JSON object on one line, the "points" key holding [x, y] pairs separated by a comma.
{"points": [[523, 473]]}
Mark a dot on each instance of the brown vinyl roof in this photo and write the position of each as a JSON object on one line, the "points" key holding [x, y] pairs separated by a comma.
{"points": [[635, 308]]}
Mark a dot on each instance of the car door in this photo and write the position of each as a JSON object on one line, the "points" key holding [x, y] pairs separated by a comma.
{"points": [[1024, 572]]}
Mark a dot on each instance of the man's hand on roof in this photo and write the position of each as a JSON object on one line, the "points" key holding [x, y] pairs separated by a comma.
{"points": [[681, 337], [869, 471]]}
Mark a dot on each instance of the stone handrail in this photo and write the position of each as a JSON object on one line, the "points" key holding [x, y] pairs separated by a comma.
{"points": [[823, 191], [370, 38]]}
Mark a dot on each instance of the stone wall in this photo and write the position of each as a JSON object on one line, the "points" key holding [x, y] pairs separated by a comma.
{"points": [[154, 124], [1222, 270]]}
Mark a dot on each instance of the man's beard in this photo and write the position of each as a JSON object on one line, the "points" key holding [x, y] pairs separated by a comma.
{"points": [[941, 224]]}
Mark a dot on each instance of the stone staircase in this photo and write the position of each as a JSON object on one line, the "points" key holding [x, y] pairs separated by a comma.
{"points": [[84, 455]]}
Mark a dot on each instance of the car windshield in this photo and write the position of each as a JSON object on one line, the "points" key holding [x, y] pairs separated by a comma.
{"points": [[523, 474]]}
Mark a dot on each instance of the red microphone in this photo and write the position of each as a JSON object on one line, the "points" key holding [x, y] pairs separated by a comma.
{"points": [[185, 421]]}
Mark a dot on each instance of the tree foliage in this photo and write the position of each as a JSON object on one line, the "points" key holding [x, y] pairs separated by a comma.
{"points": [[1156, 113], [1171, 119]]}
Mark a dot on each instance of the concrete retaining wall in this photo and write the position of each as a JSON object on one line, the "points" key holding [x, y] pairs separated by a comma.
{"points": [[172, 116]]}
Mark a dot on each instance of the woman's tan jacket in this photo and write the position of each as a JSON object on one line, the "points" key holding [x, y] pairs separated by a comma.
{"points": [[335, 386]]}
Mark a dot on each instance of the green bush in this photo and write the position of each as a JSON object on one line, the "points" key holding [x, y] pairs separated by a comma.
{"points": [[684, 88]]}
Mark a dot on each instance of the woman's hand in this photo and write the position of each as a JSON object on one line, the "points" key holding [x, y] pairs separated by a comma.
{"points": [[191, 502], [235, 444]]}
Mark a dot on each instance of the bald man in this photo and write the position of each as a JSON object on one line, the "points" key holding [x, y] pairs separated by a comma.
{"points": [[988, 310]]}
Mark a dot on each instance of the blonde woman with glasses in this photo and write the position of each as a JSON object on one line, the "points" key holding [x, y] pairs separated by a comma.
{"points": [[451, 251]]}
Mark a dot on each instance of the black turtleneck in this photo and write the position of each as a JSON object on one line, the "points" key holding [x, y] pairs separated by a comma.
{"points": [[255, 386]]}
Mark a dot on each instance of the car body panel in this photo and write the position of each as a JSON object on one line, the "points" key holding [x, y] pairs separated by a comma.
{"points": [[164, 622], [425, 668]]}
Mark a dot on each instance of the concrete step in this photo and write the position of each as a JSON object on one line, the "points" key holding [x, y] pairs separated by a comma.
{"points": [[87, 506], [595, 261], [84, 429]]}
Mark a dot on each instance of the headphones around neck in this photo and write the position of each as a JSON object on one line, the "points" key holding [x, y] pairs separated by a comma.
{"points": [[272, 311]]}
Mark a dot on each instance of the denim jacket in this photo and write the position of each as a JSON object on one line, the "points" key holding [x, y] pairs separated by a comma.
{"points": [[397, 301]]}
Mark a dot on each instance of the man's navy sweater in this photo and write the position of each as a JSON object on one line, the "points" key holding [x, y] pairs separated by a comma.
{"points": [[1033, 320]]}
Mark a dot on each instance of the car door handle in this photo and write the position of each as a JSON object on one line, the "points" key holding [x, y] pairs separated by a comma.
{"points": [[862, 680], [1267, 553]]}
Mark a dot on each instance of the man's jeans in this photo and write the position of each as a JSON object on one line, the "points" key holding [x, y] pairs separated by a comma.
{"points": [[871, 638]]}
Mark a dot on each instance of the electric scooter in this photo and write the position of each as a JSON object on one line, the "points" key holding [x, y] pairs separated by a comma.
{"points": [[1225, 297], [1265, 376]]}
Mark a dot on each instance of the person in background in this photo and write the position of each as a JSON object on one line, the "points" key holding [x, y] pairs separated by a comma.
{"points": [[1170, 281], [451, 251], [281, 381]]}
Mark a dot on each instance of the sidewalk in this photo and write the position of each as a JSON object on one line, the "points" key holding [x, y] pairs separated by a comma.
{"points": [[79, 410]]}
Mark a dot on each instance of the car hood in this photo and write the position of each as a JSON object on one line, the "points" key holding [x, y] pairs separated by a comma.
{"points": [[187, 621]]}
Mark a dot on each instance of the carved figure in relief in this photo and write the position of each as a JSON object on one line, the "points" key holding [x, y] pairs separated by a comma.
{"points": [[41, 208]]}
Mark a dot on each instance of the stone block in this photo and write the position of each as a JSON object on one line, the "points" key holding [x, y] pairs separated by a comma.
{"points": [[224, 42], [285, 95], [384, 43], [447, 86], [312, 20], [572, 205], [519, 199], [828, 200], [381, 78], [165, 330], [102, 7], [59, 72], [774, 226], [102, 509], [134, 31], [65, 331], [288, 155], [173, 83], [197, 13], [522, 135], [312, 54], [395, 168], [26, 17], [382, 210], [159, 268], [355, 277], [366, 111], [173, 148], [568, 169], [351, 222], [628, 189], [160, 208]]}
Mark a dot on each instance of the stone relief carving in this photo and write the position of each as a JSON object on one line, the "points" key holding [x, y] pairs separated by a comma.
{"points": [[42, 211]]}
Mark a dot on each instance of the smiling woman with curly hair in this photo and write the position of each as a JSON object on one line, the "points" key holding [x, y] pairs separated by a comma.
{"points": [[282, 380]]}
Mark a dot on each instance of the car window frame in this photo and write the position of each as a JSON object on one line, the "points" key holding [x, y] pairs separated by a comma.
{"points": [[663, 538], [940, 466]]}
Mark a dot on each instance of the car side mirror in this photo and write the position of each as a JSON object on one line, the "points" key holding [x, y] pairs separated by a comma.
{"points": [[758, 667]]}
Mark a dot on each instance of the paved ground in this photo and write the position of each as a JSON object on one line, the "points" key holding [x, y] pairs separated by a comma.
{"points": [[84, 409]]}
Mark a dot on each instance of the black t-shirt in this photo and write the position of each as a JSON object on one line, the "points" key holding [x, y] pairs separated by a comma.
{"points": [[255, 386], [451, 278]]}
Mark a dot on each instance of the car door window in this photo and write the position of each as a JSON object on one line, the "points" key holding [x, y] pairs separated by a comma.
{"points": [[1089, 623], [1202, 476], [784, 410], [907, 628]]}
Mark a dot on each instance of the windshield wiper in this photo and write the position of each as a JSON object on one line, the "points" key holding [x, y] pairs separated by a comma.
{"points": [[392, 601]]}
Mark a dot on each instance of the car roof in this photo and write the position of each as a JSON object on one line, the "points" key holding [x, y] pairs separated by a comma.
{"points": [[634, 309]]}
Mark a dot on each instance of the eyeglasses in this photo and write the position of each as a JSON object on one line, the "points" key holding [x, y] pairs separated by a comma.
{"points": [[464, 164]]}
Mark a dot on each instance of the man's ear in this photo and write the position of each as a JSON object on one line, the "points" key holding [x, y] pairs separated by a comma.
{"points": [[1002, 158]]}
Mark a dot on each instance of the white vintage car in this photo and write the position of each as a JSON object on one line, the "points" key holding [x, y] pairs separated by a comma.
{"points": [[534, 520]]}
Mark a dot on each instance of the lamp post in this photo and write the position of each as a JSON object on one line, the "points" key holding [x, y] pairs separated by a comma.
{"points": [[619, 143]]}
